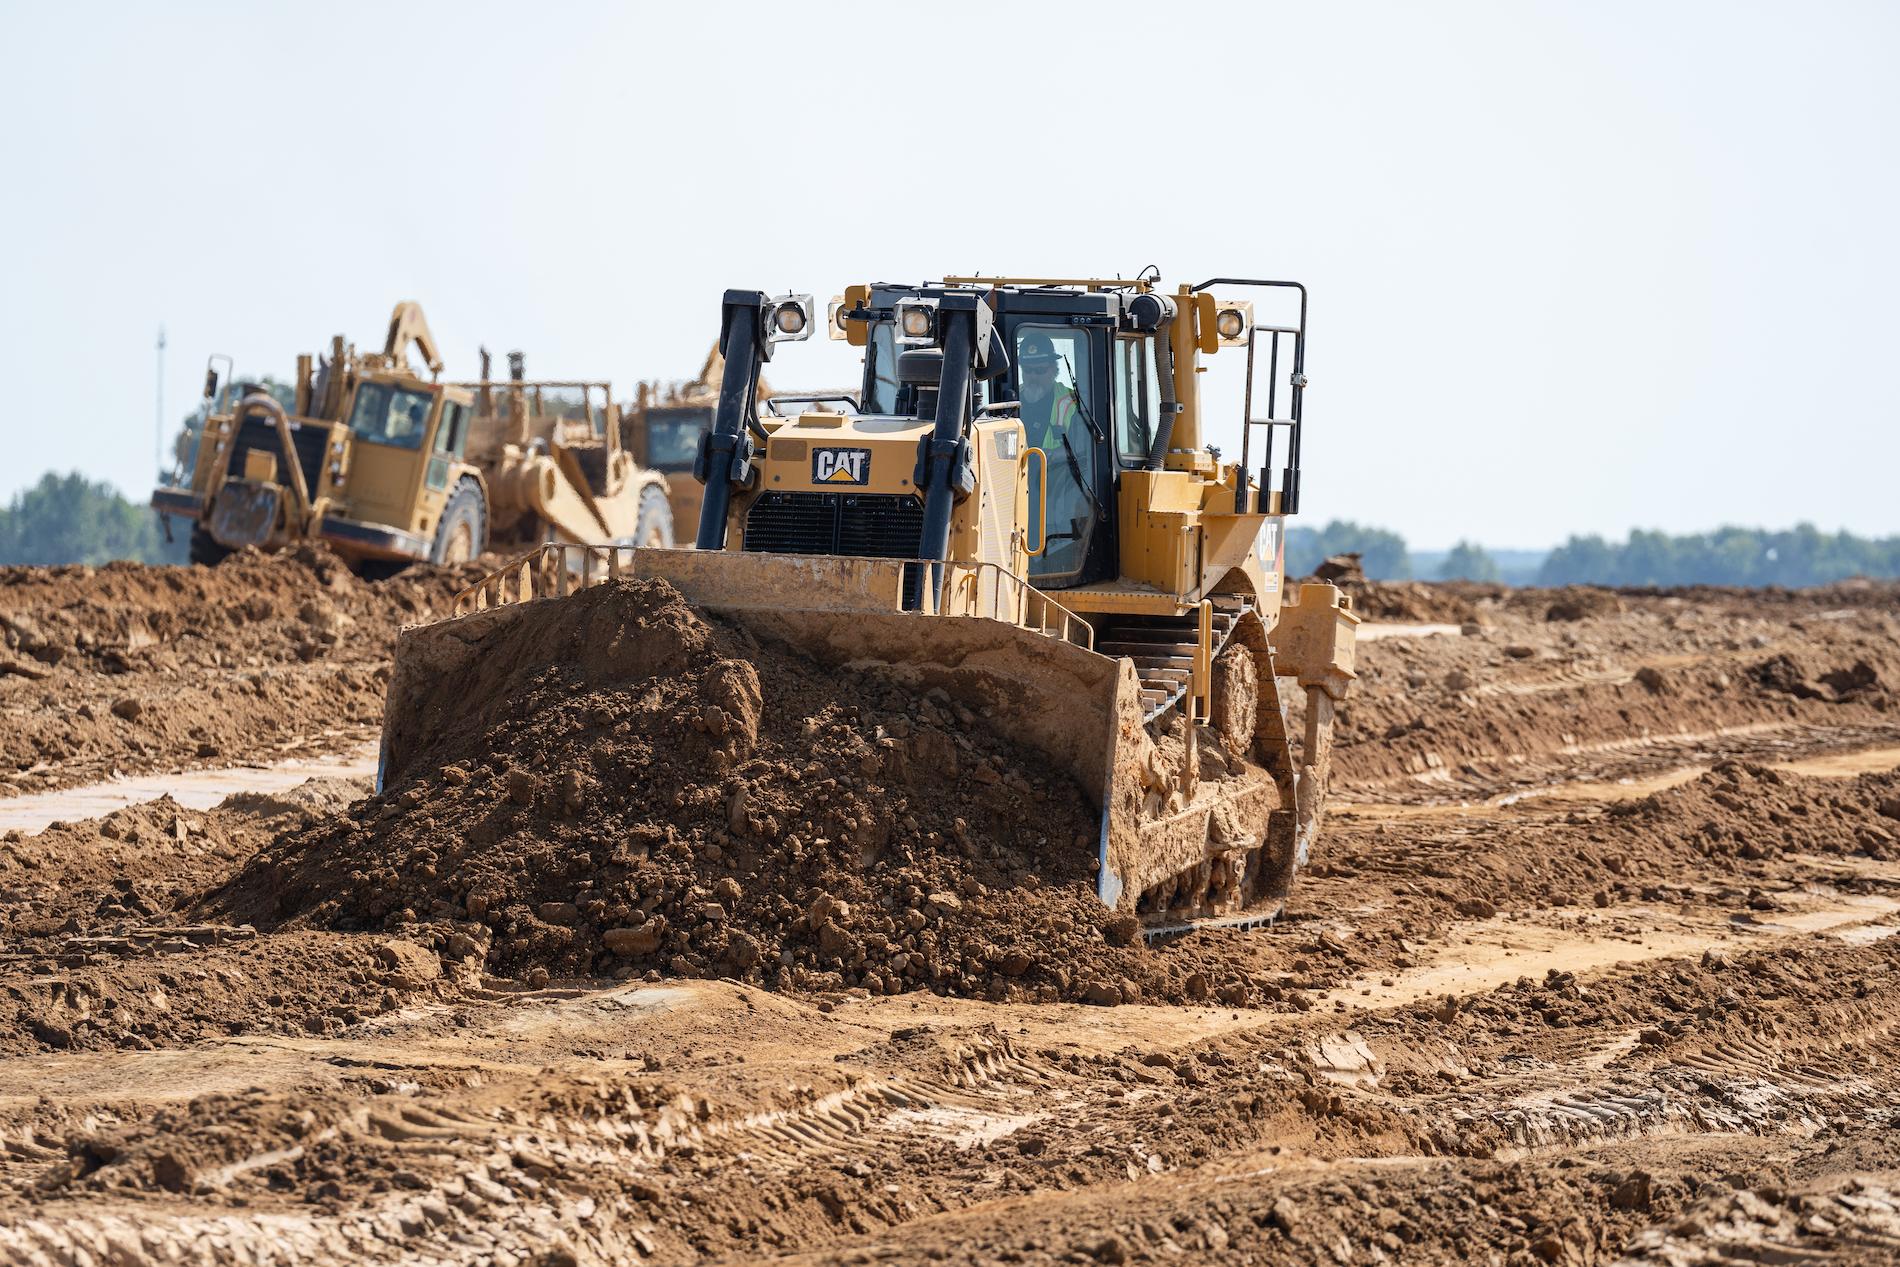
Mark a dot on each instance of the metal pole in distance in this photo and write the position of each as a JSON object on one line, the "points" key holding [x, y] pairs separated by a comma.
{"points": [[953, 404], [727, 444]]}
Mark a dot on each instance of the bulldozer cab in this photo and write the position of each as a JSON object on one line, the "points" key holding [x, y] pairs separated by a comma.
{"points": [[1084, 387]]}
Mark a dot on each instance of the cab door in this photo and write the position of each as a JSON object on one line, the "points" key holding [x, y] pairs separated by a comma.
{"points": [[1059, 372], [446, 442]]}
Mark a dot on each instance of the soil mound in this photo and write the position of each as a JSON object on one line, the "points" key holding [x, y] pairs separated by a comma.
{"points": [[129, 667], [97, 955], [1743, 810], [1568, 604], [1413, 601], [637, 787]]}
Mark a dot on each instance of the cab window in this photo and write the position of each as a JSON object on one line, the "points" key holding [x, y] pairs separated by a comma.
{"points": [[1057, 359], [673, 436], [387, 414], [880, 370], [1137, 399], [452, 433]]}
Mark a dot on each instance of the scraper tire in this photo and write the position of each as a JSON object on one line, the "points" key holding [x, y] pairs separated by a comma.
{"points": [[654, 526], [462, 533]]}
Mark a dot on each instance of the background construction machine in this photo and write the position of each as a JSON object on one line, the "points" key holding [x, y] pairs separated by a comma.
{"points": [[389, 467], [663, 425], [1024, 514]]}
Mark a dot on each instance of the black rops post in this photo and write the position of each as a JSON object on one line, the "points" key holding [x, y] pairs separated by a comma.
{"points": [[724, 459], [971, 350]]}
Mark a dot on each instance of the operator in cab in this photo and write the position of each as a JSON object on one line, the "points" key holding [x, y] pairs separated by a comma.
{"points": [[1051, 417], [405, 421]]}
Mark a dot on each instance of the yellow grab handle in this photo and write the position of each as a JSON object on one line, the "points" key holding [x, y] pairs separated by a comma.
{"points": [[1042, 498]]}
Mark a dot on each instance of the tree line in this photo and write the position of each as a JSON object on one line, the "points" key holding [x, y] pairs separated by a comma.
{"points": [[71, 519], [1753, 557], [1798, 556]]}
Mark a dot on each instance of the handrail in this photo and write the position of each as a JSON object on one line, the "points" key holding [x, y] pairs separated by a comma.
{"points": [[557, 568]]}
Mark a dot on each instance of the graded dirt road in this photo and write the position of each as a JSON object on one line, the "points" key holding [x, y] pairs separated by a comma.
{"points": [[1597, 962]]}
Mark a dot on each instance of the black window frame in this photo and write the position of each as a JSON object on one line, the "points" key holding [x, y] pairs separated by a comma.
{"points": [[451, 430], [1147, 400]]}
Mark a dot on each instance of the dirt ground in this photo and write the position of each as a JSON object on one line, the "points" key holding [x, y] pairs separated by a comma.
{"points": [[124, 669], [1596, 960]]}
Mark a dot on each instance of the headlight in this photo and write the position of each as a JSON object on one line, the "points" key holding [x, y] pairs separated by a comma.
{"points": [[1231, 323], [788, 319], [917, 322]]}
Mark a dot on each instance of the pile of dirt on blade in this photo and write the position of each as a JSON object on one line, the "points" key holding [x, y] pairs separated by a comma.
{"points": [[128, 667], [645, 788], [1753, 812]]}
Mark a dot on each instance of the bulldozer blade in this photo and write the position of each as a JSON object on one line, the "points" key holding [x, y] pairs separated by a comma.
{"points": [[1078, 710]]}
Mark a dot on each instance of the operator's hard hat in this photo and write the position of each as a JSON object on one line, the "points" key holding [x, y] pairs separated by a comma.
{"points": [[1035, 350]]}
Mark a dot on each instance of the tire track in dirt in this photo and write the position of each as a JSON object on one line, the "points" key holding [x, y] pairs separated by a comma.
{"points": [[682, 1157]]}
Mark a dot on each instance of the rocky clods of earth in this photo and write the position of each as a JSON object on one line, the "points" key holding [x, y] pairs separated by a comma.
{"points": [[718, 806]]}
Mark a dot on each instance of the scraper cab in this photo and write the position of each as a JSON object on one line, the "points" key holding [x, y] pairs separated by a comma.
{"points": [[1019, 509]]}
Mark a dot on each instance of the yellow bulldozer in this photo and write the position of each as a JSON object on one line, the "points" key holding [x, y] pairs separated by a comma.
{"points": [[1020, 509], [388, 466]]}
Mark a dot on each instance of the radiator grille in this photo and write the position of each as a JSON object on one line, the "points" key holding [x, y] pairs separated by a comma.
{"points": [[873, 526]]}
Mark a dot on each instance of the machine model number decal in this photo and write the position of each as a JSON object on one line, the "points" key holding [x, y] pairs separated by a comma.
{"points": [[840, 466]]}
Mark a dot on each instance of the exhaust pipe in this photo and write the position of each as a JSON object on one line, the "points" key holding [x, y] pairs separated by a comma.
{"points": [[1156, 313]]}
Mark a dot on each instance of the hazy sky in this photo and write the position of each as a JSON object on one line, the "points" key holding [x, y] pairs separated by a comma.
{"points": [[1574, 267]]}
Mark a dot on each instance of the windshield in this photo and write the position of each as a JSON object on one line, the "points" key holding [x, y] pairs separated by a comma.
{"points": [[387, 414], [1055, 382], [673, 437]]}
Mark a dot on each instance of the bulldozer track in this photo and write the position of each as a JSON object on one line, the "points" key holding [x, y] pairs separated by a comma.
{"points": [[1164, 649], [1250, 921]]}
